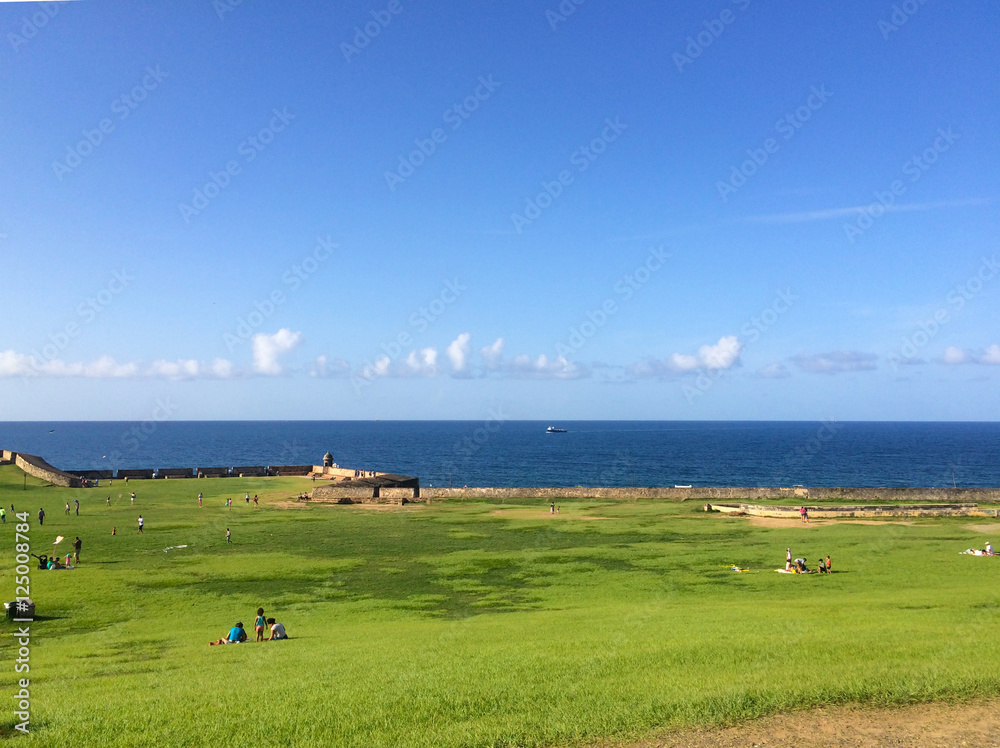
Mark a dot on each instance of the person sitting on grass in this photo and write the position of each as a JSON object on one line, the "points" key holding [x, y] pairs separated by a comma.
{"points": [[989, 549], [277, 630], [800, 566], [821, 566], [236, 635]]}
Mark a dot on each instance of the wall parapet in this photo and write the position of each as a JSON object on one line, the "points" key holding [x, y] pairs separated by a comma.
{"points": [[36, 467]]}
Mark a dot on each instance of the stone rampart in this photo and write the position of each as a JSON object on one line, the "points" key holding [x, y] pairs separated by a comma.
{"points": [[6, 456], [213, 472], [175, 472], [39, 468], [93, 474], [139, 474], [250, 471], [291, 470], [826, 512], [724, 493]]}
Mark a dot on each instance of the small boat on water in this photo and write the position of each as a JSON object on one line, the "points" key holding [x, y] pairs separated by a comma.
{"points": [[554, 430]]}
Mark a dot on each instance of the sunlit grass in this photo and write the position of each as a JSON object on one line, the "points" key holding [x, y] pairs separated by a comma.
{"points": [[476, 623]]}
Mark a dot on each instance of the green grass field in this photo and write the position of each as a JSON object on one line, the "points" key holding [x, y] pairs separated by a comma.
{"points": [[474, 624]]}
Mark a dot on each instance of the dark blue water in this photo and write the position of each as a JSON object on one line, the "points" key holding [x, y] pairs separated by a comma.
{"points": [[520, 453]]}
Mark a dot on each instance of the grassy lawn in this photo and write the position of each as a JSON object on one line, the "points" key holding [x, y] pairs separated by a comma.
{"points": [[474, 623]]}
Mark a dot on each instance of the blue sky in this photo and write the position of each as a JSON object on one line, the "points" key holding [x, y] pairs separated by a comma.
{"points": [[721, 210]]}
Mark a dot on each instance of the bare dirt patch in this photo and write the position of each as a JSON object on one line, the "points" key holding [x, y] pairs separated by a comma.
{"points": [[543, 514], [839, 727], [785, 523], [778, 522], [990, 527]]}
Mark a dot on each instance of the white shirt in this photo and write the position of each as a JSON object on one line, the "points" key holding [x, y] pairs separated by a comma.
{"points": [[278, 631]]}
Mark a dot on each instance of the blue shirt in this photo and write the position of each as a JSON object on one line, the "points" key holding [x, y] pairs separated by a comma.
{"points": [[235, 634]]}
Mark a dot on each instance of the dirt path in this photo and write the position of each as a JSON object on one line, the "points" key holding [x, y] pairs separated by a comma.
{"points": [[923, 725]]}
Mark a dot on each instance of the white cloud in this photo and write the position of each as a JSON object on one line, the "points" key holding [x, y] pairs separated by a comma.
{"points": [[180, 369], [324, 368], [493, 355], [723, 355], [774, 371], [223, 369], [992, 355], [543, 368], [836, 362], [421, 363], [13, 364], [267, 349], [955, 355], [458, 353]]}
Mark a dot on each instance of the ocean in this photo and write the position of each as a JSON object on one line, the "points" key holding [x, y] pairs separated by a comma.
{"points": [[521, 453]]}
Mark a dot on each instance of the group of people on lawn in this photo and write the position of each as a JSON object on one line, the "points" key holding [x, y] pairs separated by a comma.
{"points": [[238, 634], [799, 565]]}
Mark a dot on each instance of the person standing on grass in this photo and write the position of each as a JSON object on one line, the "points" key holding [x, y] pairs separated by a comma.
{"points": [[3, 516], [804, 513], [67, 508], [141, 523], [255, 501], [229, 536], [77, 544], [199, 499], [41, 516], [77, 502], [788, 559], [133, 498], [260, 624], [829, 566], [109, 499]]}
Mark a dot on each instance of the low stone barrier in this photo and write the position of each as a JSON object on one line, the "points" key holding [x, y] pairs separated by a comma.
{"points": [[175, 472], [724, 493], [93, 474], [291, 470], [39, 468], [828, 512], [7, 457], [138, 474], [254, 471], [213, 472]]}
